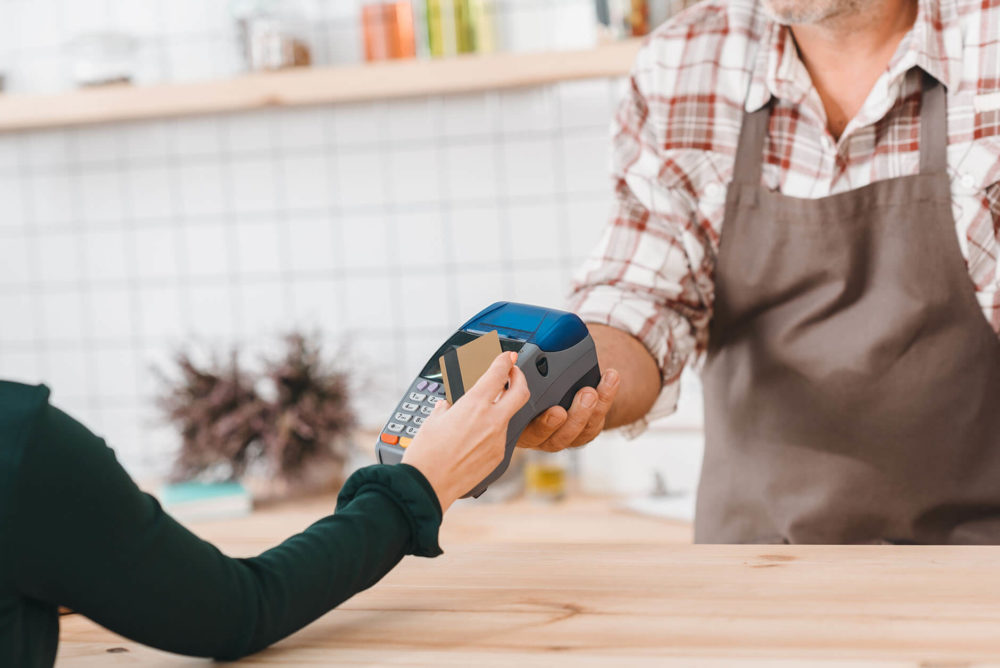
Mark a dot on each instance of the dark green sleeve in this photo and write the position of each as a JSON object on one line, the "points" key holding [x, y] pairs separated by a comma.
{"points": [[89, 539]]}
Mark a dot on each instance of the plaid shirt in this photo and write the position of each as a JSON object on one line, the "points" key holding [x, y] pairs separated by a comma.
{"points": [[675, 137]]}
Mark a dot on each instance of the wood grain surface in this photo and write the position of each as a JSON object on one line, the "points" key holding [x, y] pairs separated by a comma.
{"points": [[580, 584]]}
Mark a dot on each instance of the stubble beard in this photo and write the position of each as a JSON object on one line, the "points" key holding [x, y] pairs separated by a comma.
{"points": [[796, 12]]}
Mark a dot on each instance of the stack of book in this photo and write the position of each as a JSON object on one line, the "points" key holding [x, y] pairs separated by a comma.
{"points": [[433, 28], [196, 501], [460, 26], [440, 28]]}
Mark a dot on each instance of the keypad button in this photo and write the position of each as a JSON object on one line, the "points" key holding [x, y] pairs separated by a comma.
{"points": [[405, 442], [433, 400], [412, 431], [417, 396], [407, 406], [390, 439], [418, 420], [392, 426], [422, 384], [432, 387], [403, 417], [426, 410]]}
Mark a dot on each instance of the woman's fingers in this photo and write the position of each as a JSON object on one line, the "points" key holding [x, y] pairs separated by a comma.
{"points": [[516, 395], [491, 383], [440, 408]]}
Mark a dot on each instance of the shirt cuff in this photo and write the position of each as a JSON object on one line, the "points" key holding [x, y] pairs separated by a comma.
{"points": [[605, 305], [409, 490]]}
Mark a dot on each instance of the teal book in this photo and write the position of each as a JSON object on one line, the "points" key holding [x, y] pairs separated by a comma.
{"points": [[195, 501]]}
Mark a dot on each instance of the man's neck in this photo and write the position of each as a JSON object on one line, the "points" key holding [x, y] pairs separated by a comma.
{"points": [[846, 53]]}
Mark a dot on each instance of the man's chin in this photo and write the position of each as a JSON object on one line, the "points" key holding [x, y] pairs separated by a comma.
{"points": [[796, 13]]}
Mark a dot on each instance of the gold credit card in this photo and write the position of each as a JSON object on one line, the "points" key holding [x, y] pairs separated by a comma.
{"points": [[461, 367]]}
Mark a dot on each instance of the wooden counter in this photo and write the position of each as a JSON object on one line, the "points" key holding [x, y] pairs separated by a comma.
{"points": [[579, 584]]}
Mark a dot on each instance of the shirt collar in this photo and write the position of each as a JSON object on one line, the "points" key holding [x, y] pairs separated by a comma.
{"points": [[934, 44], [937, 41]]}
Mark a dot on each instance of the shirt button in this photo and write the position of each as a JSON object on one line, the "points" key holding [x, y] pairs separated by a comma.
{"points": [[967, 181]]}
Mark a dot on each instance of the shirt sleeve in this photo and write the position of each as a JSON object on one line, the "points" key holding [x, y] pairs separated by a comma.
{"points": [[89, 539], [651, 271]]}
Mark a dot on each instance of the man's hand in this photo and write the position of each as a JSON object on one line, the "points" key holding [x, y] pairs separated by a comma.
{"points": [[623, 358], [556, 429]]}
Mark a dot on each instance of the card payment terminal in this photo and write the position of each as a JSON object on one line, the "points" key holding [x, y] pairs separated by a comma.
{"points": [[555, 352]]}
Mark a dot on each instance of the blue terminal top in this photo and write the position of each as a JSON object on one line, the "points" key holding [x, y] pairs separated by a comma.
{"points": [[549, 329]]}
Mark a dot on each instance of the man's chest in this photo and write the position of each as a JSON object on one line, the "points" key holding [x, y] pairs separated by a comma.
{"points": [[799, 159]]}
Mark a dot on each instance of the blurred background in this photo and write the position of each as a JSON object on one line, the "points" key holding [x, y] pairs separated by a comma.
{"points": [[170, 182]]}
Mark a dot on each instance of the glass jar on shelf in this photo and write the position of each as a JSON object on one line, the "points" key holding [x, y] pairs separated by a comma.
{"points": [[546, 475], [103, 58], [274, 34], [560, 25], [632, 18]]}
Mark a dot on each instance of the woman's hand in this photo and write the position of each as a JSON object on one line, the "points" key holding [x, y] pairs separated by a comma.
{"points": [[458, 446]]}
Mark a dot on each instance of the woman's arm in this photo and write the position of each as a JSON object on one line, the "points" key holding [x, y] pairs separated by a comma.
{"points": [[89, 539]]}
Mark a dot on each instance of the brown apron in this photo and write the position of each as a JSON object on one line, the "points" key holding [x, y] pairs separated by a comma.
{"points": [[852, 382]]}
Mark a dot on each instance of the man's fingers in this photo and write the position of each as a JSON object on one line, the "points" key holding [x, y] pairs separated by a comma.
{"points": [[515, 396], [594, 427], [555, 429], [607, 390], [492, 382], [543, 426], [579, 415]]}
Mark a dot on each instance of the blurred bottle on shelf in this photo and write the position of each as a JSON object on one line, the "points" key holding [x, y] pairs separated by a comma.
{"points": [[461, 26], [103, 58], [622, 19], [546, 475], [442, 28], [388, 29], [482, 25], [638, 18], [559, 25], [274, 34]]}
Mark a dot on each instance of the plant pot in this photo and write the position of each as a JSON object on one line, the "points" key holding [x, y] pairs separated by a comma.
{"points": [[322, 477]]}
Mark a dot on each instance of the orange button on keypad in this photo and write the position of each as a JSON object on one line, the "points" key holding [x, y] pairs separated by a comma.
{"points": [[391, 439], [405, 442]]}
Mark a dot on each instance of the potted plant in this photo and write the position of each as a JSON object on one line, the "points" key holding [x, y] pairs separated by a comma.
{"points": [[282, 431]]}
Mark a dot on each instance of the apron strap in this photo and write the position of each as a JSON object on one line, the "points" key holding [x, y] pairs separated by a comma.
{"points": [[750, 148], [933, 127], [933, 135]]}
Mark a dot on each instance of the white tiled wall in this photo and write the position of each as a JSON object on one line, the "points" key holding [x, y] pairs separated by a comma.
{"points": [[384, 225]]}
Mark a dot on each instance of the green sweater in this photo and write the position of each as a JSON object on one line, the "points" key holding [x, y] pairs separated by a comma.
{"points": [[76, 531]]}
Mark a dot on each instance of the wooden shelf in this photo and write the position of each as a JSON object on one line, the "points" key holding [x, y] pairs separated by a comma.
{"points": [[381, 81]]}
